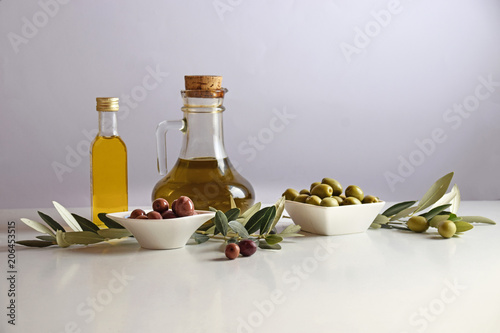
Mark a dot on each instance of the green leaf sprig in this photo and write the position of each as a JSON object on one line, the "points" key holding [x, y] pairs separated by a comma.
{"points": [[435, 206], [84, 232], [256, 223]]}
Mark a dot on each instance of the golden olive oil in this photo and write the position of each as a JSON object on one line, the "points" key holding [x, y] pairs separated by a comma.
{"points": [[109, 176], [209, 182]]}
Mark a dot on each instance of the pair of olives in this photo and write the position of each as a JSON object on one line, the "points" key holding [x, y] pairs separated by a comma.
{"points": [[328, 193], [446, 228], [183, 206], [246, 247]]}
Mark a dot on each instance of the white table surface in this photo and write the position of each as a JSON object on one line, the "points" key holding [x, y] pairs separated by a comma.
{"points": [[378, 281]]}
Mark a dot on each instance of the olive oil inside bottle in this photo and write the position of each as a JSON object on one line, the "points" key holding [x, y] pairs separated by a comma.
{"points": [[209, 182], [109, 176]]}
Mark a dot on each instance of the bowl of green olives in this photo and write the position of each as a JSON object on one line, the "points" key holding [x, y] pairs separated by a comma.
{"points": [[161, 228], [327, 209]]}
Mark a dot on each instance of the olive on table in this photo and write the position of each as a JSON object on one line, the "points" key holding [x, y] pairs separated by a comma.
{"points": [[334, 184], [232, 251], [247, 247], [322, 190], [329, 202], [354, 191], [418, 224], [447, 229], [290, 194]]}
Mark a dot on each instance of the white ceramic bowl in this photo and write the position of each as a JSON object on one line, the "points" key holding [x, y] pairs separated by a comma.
{"points": [[329, 221], [162, 234]]}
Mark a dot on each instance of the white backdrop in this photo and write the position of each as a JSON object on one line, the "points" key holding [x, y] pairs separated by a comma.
{"points": [[388, 95]]}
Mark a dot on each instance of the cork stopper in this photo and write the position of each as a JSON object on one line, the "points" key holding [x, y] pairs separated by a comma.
{"points": [[205, 86]]}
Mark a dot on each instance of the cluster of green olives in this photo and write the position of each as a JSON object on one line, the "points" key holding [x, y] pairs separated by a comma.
{"points": [[328, 193], [446, 228]]}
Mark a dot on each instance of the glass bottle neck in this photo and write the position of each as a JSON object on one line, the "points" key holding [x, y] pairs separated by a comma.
{"points": [[107, 124], [203, 135]]}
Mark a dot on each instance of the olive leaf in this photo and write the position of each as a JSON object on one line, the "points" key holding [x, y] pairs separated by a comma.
{"points": [[437, 190], [280, 207], [264, 245], [477, 219], [85, 224], [245, 216], [267, 220], [463, 226], [35, 243], [82, 237], [60, 239], [50, 221], [397, 208], [38, 226], [232, 214], [113, 233], [375, 225], [273, 239], [199, 238], [381, 219], [435, 211], [238, 228], [434, 222], [109, 222], [256, 220], [404, 213], [291, 229], [66, 215], [221, 224], [453, 198], [454, 218], [47, 238], [231, 200]]}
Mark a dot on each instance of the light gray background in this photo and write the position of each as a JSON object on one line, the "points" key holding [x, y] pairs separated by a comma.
{"points": [[356, 115]]}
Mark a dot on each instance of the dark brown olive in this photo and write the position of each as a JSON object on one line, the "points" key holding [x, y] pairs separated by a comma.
{"points": [[183, 206], [142, 217], [152, 215], [247, 247], [232, 251], [168, 215], [136, 213], [160, 205]]}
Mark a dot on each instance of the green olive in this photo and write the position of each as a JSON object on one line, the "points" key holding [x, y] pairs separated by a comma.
{"points": [[314, 184], [354, 191], [339, 199], [313, 200], [329, 202], [322, 190], [418, 224], [290, 194], [342, 196], [350, 201], [370, 199], [305, 191], [447, 229], [301, 198], [335, 185]]}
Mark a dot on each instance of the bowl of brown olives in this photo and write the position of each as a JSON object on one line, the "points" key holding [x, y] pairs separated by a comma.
{"points": [[163, 228], [327, 209]]}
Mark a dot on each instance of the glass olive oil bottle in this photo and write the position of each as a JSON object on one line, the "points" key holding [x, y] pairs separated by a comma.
{"points": [[108, 163]]}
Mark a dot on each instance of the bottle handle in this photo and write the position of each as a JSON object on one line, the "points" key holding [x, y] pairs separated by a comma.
{"points": [[161, 141]]}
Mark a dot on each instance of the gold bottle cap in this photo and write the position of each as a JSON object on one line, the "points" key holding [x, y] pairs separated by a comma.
{"points": [[205, 86], [107, 103]]}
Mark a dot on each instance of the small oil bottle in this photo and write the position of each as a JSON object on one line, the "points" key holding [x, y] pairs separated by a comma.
{"points": [[108, 163]]}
